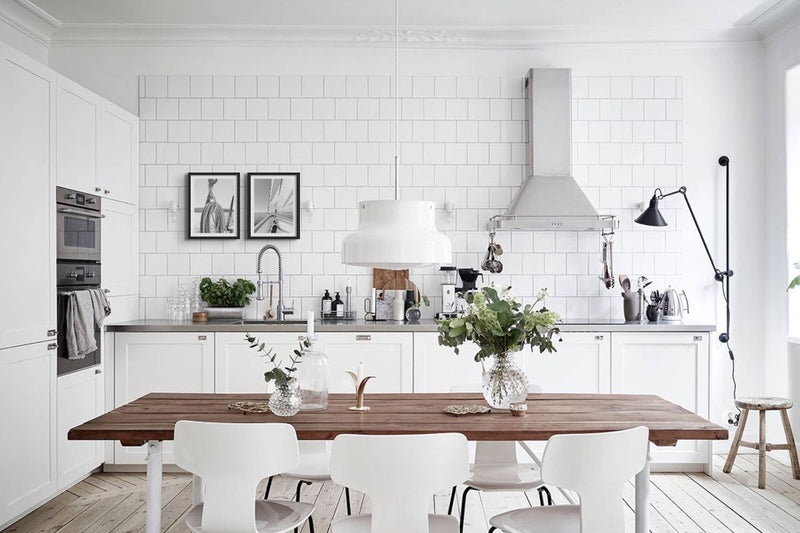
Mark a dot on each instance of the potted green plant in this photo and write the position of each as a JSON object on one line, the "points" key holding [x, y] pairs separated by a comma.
{"points": [[225, 299], [796, 280], [501, 326], [286, 400]]}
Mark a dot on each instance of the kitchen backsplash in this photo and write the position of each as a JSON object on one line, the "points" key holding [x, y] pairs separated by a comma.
{"points": [[462, 140]]}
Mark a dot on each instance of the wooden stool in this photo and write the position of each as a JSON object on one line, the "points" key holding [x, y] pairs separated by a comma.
{"points": [[762, 405]]}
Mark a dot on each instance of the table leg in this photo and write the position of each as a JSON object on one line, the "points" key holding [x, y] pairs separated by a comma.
{"points": [[643, 496], [153, 493], [197, 489]]}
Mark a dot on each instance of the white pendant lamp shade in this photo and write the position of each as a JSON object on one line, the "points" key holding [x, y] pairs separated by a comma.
{"points": [[395, 235]]}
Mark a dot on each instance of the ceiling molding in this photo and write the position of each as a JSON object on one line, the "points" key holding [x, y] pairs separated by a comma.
{"points": [[29, 19], [70, 34], [771, 17]]}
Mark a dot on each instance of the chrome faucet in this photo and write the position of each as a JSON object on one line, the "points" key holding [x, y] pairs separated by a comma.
{"points": [[282, 309]]}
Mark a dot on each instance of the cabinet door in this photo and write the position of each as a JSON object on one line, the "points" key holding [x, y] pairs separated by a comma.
{"points": [[80, 398], [120, 248], [28, 214], [438, 368], [117, 154], [76, 137], [239, 368], [123, 309], [387, 356], [671, 365], [27, 404], [582, 364], [159, 362]]}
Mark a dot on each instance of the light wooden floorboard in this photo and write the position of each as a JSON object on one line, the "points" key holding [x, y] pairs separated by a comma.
{"points": [[681, 503]]}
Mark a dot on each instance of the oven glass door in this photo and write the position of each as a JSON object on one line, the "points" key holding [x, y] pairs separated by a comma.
{"points": [[78, 235]]}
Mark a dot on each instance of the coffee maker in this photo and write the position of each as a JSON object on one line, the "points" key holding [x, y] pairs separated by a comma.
{"points": [[448, 287], [469, 279]]}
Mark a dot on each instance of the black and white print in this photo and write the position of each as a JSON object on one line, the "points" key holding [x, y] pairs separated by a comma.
{"points": [[274, 205], [214, 205]]}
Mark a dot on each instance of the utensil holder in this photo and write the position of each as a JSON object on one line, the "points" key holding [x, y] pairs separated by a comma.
{"points": [[632, 306]]}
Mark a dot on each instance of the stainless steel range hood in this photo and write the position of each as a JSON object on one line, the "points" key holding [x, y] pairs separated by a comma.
{"points": [[550, 198]]}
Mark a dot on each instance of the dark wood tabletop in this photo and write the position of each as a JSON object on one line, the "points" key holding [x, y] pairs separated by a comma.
{"points": [[153, 417]]}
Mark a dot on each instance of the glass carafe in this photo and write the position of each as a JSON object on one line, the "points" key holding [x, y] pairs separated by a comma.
{"points": [[312, 375]]}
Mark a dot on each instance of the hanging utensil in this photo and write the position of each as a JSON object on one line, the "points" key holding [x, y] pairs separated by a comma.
{"points": [[625, 282], [607, 278], [490, 262], [269, 314]]}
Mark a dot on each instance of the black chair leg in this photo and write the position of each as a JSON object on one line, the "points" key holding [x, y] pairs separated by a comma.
{"points": [[311, 524], [452, 501], [463, 509], [491, 529], [297, 499], [347, 500], [269, 486], [545, 490]]}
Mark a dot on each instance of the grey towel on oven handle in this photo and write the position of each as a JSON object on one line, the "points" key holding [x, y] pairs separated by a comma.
{"points": [[100, 306], [80, 325]]}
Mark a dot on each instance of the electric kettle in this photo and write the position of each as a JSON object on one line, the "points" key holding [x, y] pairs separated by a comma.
{"points": [[674, 305]]}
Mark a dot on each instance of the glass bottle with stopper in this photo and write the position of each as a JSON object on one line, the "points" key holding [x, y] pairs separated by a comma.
{"points": [[312, 372]]}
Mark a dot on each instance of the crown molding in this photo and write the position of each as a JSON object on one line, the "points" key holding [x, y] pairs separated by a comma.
{"points": [[771, 18], [29, 19], [70, 34]]}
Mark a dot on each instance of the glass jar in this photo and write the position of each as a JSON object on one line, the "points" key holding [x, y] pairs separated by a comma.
{"points": [[504, 383], [285, 400], [312, 374]]}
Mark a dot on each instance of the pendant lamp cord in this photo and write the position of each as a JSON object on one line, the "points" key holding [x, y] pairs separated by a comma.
{"points": [[396, 99]]}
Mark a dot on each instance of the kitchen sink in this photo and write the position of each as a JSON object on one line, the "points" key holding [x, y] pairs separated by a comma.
{"points": [[247, 322]]}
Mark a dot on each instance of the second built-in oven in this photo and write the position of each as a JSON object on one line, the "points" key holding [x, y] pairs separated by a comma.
{"points": [[77, 226]]}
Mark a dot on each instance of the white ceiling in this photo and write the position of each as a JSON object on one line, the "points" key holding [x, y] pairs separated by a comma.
{"points": [[555, 14]]}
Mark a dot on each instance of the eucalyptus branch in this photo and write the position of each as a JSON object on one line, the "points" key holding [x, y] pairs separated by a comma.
{"points": [[279, 373]]}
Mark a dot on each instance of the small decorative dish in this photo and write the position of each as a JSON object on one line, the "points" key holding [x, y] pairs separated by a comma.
{"points": [[250, 407], [518, 409], [459, 410]]}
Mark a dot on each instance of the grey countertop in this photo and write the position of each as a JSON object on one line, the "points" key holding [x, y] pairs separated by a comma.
{"points": [[425, 325]]}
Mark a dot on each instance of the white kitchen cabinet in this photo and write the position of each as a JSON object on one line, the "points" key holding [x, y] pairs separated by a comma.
{"points": [[388, 356], [120, 248], [674, 366], [239, 368], [438, 368], [80, 398], [117, 154], [581, 364], [159, 362], [76, 137], [28, 215], [123, 308], [27, 409]]}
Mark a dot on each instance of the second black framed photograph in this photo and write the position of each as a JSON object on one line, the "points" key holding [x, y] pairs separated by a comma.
{"points": [[273, 201]]}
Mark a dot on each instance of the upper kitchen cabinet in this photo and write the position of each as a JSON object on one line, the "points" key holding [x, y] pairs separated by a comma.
{"points": [[117, 154], [28, 214], [97, 144]]}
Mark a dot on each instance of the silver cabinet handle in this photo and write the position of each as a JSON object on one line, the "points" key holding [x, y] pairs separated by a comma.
{"points": [[52, 332], [107, 291], [698, 337], [363, 337], [52, 346], [98, 371], [106, 191], [86, 214], [202, 337], [598, 337], [98, 189]]}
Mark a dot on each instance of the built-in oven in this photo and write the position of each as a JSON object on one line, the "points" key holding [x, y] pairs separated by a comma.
{"points": [[71, 277], [77, 226]]}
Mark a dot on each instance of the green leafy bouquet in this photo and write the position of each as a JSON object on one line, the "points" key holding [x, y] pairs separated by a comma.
{"points": [[498, 324], [796, 280], [280, 374]]}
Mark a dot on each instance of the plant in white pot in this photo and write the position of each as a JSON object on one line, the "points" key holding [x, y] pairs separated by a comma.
{"points": [[225, 299], [501, 326]]}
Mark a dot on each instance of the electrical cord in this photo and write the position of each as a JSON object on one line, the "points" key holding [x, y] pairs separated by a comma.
{"points": [[733, 419]]}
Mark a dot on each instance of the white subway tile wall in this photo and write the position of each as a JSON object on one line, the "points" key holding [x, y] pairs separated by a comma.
{"points": [[462, 140]]}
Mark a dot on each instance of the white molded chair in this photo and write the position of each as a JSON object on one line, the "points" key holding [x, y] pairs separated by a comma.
{"points": [[232, 459], [496, 467], [596, 466], [400, 474]]}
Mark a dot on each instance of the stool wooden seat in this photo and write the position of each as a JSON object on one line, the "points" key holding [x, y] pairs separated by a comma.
{"points": [[762, 405]]}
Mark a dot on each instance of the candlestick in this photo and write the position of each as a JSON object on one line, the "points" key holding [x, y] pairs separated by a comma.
{"points": [[310, 324], [360, 372], [360, 385]]}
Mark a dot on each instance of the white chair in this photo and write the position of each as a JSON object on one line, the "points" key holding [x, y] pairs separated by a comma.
{"points": [[314, 466], [400, 474], [232, 459], [596, 466], [496, 467]]}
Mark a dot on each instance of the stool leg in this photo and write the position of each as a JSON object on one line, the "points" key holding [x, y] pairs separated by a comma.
{"points": [[787, 428], [762, 449], [735, 444]]}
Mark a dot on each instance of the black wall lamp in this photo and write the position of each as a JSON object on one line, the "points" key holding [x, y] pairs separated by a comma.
{"points": [[652, 217]]}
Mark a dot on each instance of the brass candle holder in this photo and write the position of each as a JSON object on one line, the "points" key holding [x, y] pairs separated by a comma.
{"points": [[359, 386]]}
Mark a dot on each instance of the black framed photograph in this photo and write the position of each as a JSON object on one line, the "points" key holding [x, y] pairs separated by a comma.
{"points": [[213, 205], [273, 201]]}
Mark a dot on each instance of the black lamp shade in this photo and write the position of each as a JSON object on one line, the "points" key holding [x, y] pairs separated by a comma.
{"points": [[651, 216]]}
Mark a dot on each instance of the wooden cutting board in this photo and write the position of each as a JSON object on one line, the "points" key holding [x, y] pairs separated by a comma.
{"points": [[389, 279]]}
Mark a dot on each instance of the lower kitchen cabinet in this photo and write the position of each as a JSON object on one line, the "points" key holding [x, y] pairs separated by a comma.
{"points": [[581, 364], [81, 397], [438, 368], [239, 368], [388, 356], [159, 362], [674, 366], [27, 408]]}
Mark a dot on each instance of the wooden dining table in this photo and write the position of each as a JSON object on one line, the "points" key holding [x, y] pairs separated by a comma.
{"points": [[151, 420]]}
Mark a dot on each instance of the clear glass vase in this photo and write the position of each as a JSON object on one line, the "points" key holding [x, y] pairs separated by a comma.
{"points": [[504, 383], [285, 400], [312, 375]]}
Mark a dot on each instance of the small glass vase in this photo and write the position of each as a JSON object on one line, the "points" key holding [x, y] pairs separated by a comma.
{"points": [[286, 400], [504, 383]]}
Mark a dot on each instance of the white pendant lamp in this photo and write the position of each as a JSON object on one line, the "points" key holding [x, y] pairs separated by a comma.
{"points": [[396, 234]]}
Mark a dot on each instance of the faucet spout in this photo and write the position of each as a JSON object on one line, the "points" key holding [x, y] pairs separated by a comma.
{"points": [[260, 283]]}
